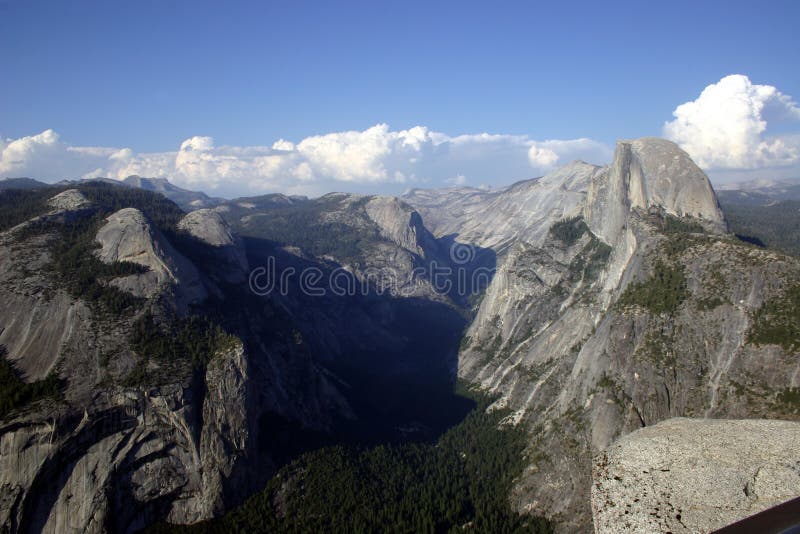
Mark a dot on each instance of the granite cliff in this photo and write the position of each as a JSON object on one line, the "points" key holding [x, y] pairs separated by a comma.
{"points": [[162, 412], [632, 307], [615, 299]]}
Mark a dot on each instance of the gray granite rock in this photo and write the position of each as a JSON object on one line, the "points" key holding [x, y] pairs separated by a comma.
{"points": [[128, 236], [71, 199], [208, 226], [577, 369], [694, 475]]}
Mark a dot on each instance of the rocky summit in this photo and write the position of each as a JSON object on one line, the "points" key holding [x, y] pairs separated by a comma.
{"points": [[637, 362]]}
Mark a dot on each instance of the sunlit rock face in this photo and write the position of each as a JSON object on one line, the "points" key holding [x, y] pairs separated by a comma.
{"points": [[209, 227], [578, 368], [650, 172], [694, 475], [497, 219], [71, 199], [128, 236]]}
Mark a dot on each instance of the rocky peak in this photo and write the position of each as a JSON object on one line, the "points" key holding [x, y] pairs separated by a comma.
{"points": [[156, 184], [400, 223], [645, 173], [129, 236], [69, 200], [208, 226]]}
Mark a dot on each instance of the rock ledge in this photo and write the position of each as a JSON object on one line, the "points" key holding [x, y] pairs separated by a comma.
{"points": [[695, 475]]}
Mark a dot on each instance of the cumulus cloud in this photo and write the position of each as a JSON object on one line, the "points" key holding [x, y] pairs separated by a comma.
{"points": [[377, 158], [541, 157], [727, 126]]}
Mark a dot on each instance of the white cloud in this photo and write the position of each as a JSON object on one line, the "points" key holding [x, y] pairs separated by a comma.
{"points": [[283, 144], [726, 127], [541, 157], [457, 180], [376, 159]]}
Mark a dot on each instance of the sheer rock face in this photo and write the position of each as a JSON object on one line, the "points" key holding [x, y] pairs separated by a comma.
{"points": [[497, 219], [128, 236], [115, 457], [208, 226], [650, 172], [580, 370], [38, 321], [695, 475], [133, 457], [401, 224]]}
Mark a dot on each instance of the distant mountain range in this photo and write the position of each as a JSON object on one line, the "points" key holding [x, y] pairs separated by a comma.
{"points": [[21, 183], [759, 192], [186, 199], [764, 212]]}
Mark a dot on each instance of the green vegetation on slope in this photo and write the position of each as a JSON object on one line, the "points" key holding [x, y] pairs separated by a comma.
{"points": [[787, 401], [18, 205], [670, 225], [588, 265], [776, 226], [192, 340], [15, 393], [310, 226], [569, 230], [462, 482], [663, 292], [85, 276], [777, 321]]}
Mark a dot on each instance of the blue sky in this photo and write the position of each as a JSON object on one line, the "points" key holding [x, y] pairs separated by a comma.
{"points": [[150, 76]]}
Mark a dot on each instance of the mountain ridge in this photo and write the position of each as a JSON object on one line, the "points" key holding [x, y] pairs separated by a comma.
{"points": [[615, 298]]}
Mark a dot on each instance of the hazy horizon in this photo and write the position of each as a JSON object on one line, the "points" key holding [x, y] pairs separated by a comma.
{"points": [[245, 99]]}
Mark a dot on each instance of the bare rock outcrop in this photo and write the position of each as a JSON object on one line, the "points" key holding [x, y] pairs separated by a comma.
{"points": [[135, 455], [650, 172], [401, 224], [497, 219], [128, 236], [579, 365], [38, 320], [71, 199], [695, 475], [208, 226]]}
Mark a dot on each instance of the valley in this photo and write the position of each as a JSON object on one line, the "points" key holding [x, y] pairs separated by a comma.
{"points": [[477, 352]]}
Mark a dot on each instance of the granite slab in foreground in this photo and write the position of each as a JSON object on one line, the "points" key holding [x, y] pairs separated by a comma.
{"points": [[695, 475]]}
